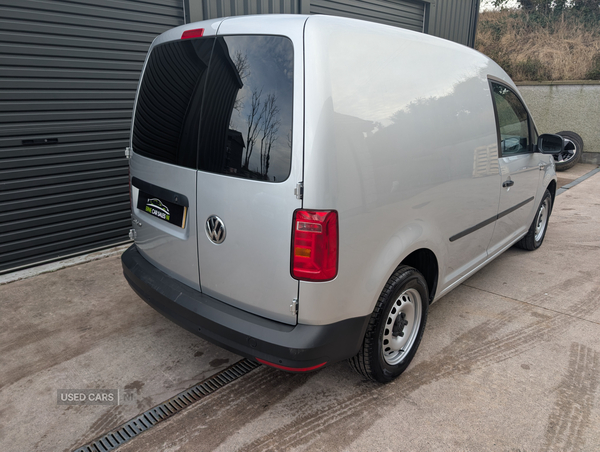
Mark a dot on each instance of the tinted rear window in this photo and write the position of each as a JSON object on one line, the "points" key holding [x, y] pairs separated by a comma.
{"points": [[221, 105], [167, 113]]}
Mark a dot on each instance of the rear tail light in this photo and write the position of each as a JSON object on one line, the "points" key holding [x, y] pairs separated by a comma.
{"points": [[197, 33], [315, 245]]}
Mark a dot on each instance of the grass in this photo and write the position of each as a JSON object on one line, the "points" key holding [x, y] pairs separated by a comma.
{"points": [[538, 47]]}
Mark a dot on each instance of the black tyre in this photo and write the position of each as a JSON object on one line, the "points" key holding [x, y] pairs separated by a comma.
{"points": [[537, 231], [572, 153], [396, 327]]}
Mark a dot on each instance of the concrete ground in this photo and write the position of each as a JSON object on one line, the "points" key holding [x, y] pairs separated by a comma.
{"points": [[83, 327], [510, 361], [566, 177]]}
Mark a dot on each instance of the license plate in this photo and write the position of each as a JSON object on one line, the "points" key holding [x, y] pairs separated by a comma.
{"points": [[164, 210]]}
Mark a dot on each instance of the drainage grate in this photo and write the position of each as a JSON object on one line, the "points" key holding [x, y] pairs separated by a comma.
{"points": [[159, 413]]}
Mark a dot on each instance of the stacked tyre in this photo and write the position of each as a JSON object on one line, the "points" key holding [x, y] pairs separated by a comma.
{"points": [[572, 152]]}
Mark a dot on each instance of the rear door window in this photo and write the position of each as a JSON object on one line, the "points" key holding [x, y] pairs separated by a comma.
{"points": [[222, 105], [246, 128], [169, 102]]}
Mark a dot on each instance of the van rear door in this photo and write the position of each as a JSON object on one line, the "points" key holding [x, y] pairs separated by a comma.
{"points": [[250, 162], [164, 142]]}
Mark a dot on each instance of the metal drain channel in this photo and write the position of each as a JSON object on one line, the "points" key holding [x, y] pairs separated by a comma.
{"points": [[165, 410]]}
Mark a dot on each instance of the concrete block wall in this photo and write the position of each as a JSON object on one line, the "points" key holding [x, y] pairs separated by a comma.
{"points": [[573, 106]]}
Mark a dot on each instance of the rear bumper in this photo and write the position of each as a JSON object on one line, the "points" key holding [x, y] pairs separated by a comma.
{"points": [[296, 348]]}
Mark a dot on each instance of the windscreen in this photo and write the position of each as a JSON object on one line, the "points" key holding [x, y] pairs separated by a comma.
{"points": [[221, 105]]}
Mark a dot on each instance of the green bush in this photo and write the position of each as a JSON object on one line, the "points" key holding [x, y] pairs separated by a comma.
{"points": [[546, 12], [532, 69], [594, 72]]}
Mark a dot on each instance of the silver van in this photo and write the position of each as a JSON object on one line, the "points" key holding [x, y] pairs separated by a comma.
{"points": [[304, 187]]}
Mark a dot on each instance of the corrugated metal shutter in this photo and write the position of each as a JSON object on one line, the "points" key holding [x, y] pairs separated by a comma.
{"points": [[455, 20], [211, 9], [68, 75], [399, 13]]}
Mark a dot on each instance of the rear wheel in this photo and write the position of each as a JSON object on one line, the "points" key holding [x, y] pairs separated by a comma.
{"points": [[537, 231], [395, 328], [572, 152]]}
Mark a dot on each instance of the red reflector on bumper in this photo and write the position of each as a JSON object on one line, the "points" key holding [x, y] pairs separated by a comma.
{"points": [[291, 369]]}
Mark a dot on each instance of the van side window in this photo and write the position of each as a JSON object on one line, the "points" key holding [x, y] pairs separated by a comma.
{"points": [[513, 121]]}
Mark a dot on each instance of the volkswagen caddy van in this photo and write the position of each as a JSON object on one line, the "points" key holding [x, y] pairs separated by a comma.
{"points": [[304, 187]]}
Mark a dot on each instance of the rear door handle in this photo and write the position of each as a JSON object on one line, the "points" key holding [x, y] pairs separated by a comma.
{"points": [[508, 183]]}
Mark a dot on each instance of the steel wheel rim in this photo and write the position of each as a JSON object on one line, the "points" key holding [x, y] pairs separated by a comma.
{"points": [[396, 347], [541, 220], [569, 153]]}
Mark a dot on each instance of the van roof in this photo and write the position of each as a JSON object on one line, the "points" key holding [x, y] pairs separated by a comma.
{"points": [[295, 23], [264, 21]]}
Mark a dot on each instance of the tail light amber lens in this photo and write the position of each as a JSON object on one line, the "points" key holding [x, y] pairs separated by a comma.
{"points": [[315, 245]]}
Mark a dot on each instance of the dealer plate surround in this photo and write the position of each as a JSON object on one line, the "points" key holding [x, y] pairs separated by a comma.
{"points": [[170, 212]]}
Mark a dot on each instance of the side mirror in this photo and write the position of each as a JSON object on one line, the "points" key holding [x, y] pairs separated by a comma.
{"points": [[548, 143]]}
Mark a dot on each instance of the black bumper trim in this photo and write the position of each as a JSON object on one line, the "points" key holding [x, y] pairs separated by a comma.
{"points": [[252, 336]]}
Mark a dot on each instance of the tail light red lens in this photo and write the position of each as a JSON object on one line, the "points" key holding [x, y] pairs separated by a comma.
{"points": [[197, 33], [315, 245]]}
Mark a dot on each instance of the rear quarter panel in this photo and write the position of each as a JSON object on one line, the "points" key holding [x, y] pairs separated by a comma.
{"points": [[400, 138]]}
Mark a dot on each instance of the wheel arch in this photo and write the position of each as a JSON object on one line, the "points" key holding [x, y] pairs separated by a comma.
{"points": [[425, 261], [552, 190]]}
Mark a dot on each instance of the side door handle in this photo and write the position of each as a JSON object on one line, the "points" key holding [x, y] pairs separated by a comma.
{"points": [[508, 183]]}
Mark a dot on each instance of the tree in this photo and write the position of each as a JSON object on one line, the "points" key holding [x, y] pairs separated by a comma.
{"points": [[254, 121], [588, 8], [270, 127]]}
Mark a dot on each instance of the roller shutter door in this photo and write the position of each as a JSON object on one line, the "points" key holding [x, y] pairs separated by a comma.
{"points": [[404, 14], [68, 75]]}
